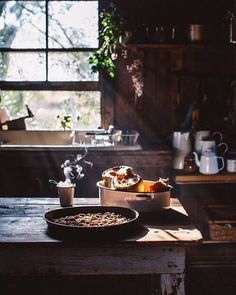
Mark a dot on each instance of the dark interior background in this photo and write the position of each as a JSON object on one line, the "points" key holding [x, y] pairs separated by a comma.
{"points": [[172, 69], [172, 72], [175, 74]]}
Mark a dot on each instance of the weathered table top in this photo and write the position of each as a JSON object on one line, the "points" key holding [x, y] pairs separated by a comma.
{"points": [[26, 249], [21, 221]]}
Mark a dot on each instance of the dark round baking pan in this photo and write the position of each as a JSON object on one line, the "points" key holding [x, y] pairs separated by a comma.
{"points": [[62, 231]]}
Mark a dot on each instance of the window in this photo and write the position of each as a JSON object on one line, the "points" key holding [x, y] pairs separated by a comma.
{"points": [[44, 47]]}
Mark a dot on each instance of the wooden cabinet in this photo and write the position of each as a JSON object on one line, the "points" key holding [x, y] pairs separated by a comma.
{"points": [[211, 269], [197, 191]]}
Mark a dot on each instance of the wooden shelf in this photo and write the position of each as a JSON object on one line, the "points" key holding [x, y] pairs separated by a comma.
{"points": [[184, 178], [179, 45]]}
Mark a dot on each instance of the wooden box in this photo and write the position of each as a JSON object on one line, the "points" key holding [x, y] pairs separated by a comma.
{"points": [[222, 222]]}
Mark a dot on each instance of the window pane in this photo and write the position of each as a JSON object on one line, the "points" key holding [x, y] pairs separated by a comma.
{"points": [[71, 66], [73, 24], [22, 24], [48, 105], [20, 66]]}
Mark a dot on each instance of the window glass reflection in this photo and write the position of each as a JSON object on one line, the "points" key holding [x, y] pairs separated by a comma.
{"points": [[73, 24], [49, 108], [70, 66], [22, 66], [22, 24]]}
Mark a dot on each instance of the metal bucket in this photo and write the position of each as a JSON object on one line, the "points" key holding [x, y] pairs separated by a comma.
{"points": [[140, 201]]}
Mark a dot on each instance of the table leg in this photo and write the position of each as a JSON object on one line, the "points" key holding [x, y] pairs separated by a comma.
{"points": [[172, 284]]}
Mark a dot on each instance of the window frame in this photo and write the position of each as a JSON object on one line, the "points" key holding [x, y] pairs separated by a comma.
{"points": [[52, 85]]}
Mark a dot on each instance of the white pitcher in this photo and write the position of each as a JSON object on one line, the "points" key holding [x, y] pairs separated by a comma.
{"points": [[208, 163], [181, 147], [211, 145], [203, 134]]}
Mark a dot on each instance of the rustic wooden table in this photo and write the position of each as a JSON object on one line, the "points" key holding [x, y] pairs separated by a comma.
{"points": [[158, 247]]}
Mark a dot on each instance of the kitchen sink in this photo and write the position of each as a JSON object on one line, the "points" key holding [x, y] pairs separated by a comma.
{"points": [[91, 139]]}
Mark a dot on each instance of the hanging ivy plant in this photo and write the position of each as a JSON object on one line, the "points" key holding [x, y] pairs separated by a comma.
{"points": [[110, 38]]}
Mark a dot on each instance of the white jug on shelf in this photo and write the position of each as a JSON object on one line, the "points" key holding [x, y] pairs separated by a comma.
{"points": [[208, 163], [203, 135], [181, 148]]}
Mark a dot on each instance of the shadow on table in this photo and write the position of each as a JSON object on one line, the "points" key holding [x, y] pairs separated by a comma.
{"points": [[168, 216], [133, 232]]}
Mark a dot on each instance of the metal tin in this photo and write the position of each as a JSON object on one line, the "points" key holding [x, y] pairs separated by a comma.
{"points": [[140, 201], [61, 231]]}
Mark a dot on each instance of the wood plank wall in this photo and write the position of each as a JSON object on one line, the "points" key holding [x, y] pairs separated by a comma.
{"points": [[171, 77], [27, 173], [169, 68]]}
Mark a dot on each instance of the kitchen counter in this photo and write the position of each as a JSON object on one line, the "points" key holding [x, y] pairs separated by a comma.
{"points": [[71, 140], [68, 147], [197, 192], [156, 246], [198, 178]]}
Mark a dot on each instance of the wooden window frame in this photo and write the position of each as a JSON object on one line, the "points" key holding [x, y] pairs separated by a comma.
{"points": [[52, 85]]}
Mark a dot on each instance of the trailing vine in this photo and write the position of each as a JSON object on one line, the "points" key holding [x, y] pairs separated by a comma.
{"points": [[113, 38], [110, 38]]}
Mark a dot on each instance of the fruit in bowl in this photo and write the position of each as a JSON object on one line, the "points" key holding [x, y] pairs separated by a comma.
{"points": [[124, 178], [161, 185], [121, 186], [120, 178]]}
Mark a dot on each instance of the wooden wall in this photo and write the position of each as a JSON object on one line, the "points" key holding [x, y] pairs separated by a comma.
{"points": [[171, 76], [170, 11], [27, 173], [171, 70]]}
